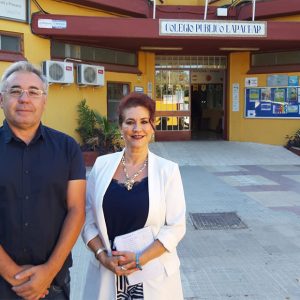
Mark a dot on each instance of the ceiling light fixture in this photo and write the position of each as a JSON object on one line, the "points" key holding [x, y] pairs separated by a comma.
{"points": [[238, 49], [161, 48]]}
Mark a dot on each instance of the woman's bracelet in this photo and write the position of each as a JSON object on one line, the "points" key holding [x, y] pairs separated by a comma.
{"points": [[100, 250], [137, 262]]}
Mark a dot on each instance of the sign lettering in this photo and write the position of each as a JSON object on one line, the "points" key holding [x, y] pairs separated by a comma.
{"points": [[212, 28]]}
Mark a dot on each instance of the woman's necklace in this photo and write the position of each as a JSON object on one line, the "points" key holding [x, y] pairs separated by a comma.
{"points": [[129, 182]]}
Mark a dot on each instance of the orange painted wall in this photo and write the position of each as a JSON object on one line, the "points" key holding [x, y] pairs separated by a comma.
{"points": [[266, 131], [61, 109]]}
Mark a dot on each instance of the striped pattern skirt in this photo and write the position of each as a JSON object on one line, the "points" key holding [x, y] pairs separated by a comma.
{"points": [[125, 291]]}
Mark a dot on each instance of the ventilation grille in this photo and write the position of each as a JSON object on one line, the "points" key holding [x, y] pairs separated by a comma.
{"points": [[217, 221], [90, 74], [56, 71]]}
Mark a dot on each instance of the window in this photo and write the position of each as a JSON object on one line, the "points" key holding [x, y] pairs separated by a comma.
{"points": [[115, 92], [93, 54], [190, 62], [170, 123], [10, 43], [275, 62], [275, 59], [11, 46], [172, 90]]}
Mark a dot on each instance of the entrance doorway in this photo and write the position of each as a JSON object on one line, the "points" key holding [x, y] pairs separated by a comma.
{"points": [[207, 111], [189, 97]]}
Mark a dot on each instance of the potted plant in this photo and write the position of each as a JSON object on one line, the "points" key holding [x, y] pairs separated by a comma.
{"points": [[87, 131], [109, 137], [98, 135], [293, 143]]}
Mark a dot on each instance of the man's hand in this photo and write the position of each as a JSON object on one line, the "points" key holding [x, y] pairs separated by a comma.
{"points": [[37, 286], [13, 281], [9, 268]]}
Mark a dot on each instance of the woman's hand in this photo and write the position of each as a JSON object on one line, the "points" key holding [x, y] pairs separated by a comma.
{"points": [[126, 262], [109, 262], [120, 263]]}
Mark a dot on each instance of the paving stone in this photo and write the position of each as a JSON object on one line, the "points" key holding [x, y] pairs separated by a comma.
{"points": [[245, 180], [276, 199], [261, 262], [293, 177]]}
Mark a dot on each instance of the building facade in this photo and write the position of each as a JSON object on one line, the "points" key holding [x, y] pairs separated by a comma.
{"points": [[230, 70]]}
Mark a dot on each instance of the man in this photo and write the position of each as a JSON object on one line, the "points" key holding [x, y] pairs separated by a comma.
{"points": [[42, 191]]}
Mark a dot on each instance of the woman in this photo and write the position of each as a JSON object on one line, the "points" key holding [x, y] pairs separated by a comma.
{"points": [[127, 191]]}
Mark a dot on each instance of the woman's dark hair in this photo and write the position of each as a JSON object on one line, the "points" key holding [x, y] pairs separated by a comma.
{"points": [[136, 99]]}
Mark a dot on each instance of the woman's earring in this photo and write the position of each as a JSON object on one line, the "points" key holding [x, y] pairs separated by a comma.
{"points": [[152, 138]]}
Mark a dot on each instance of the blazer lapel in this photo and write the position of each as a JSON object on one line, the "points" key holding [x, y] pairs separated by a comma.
{"points": [[103, 182], [154, 189]]}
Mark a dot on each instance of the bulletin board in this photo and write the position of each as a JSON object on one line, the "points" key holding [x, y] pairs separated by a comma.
{"points": [[272, 102]]}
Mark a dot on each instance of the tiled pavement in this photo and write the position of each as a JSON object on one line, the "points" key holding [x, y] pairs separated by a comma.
{"points": [[261, 184], [274, 186]]}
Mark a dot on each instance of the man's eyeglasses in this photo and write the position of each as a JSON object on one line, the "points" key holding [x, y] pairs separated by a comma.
{"points": [[32, 93]]}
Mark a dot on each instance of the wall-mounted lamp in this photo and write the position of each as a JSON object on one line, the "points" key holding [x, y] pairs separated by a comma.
{"points": [[153, 48], [222, 12], [238, 49]]}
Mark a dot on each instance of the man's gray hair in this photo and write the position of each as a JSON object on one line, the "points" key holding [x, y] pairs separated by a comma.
{"points": [[22, 66]]}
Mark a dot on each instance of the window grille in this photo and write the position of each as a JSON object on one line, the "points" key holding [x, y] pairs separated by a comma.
{"points": [[93, 54], [190, 62]]}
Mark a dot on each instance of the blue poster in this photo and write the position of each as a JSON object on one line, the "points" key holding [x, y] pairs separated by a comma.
{"points": [[272, 102], [277, 80], [293, 80]]}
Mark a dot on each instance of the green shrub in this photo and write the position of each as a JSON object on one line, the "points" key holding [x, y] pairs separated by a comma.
{"points": [[293, 140], [109, 137], [86, 122], [96, 132]]}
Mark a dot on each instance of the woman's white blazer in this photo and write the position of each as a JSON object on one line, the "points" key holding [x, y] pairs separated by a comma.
{"points": [[166, 217]]}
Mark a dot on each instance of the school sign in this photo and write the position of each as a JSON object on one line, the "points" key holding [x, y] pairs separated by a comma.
{"points": [[212, 28]]}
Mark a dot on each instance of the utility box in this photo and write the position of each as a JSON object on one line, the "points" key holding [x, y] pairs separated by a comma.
{"points": [[222, 12]]}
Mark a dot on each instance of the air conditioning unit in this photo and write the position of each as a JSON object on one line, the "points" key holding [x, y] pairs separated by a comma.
{"points": [[90, 75], [58, 72]]}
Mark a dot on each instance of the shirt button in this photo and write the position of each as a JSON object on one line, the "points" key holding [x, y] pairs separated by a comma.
{"points": [[26, 224], [26, 172], [24, 249], [26, 197]]}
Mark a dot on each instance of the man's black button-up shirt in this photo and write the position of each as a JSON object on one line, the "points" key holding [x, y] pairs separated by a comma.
{"points": [[33, 193]]}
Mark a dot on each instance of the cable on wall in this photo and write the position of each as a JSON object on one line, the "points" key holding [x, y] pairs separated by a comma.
{"points": [[39, 7]]}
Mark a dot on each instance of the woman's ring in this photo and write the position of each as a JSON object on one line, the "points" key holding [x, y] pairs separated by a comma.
{"points": [[123, 268]]}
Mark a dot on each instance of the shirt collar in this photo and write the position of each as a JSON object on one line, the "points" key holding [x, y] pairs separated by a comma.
{"points": [[40, 133], [9, 135]]}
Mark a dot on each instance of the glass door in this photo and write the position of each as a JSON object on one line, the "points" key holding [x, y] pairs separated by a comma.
{"points": [[115, 92], [172, 104]]}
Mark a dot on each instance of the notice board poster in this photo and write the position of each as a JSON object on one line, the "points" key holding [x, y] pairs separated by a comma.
{"points": [[272, 102], [14, 9]]}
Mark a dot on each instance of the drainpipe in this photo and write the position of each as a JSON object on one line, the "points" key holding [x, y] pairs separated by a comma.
{"points": [[253, 9], [205, 10], [154, 9]]}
